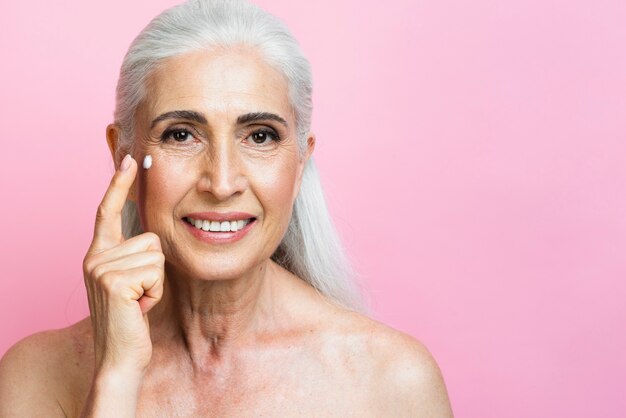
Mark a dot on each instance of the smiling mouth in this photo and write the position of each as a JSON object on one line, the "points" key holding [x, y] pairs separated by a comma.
{"points": [[217, 226]]}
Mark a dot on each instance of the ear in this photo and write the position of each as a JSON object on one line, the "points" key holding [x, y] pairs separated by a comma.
{"points": [[310, 146], [113, 138]]}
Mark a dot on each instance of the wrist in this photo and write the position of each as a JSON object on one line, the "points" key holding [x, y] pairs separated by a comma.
{"points": [[118, 378], [113, 393]]}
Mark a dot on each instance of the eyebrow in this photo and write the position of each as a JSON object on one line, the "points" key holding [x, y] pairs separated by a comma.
{"points": [[180, 114], [199, 117], [259, 116]]}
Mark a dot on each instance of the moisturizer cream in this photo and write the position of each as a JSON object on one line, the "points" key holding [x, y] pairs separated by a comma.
{"points": [[147, 162]]}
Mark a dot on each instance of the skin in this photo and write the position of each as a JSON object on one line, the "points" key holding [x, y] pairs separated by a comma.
{"points": [[186, 328]]}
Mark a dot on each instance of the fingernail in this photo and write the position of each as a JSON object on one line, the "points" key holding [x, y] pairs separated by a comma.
{"points": [[125, 163]]}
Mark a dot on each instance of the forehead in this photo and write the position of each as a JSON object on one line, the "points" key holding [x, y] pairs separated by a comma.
{"points": [[233, 81]]}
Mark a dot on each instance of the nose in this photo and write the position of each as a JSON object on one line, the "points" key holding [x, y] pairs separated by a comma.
{"points": [[222, 174]]}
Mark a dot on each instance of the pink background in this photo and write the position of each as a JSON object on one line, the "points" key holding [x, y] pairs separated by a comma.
{"points": [[473, 154]]}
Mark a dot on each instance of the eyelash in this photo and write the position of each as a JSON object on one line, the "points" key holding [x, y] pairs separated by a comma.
{"points": [[168, 133], [268, 132]]}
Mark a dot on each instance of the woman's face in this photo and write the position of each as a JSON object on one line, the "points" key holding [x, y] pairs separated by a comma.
{"points": [[221, 132]]}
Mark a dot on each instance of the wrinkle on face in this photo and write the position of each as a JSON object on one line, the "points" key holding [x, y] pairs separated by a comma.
{"points": [[255, 179]]}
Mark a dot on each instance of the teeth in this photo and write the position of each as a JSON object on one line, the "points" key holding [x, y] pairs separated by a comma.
{"points": [[215, 226]]}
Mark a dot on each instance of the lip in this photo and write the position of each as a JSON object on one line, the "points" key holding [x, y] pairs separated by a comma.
{"points": [[219, 237], [219, 216]]}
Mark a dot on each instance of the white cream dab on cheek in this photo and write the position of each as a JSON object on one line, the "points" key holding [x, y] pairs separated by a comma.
{"points": [[147, 162]]}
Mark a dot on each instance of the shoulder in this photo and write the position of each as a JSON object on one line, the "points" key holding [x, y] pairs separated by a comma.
{"points": [[408, 381], [39, 367], [411, 382]]}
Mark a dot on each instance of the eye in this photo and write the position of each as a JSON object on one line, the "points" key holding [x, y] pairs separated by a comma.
{"points": [[264, 136], [177, 134]]}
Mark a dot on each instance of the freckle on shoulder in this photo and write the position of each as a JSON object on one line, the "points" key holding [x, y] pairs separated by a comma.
{"points": [[409, 381], [42, 365], [398, 358], [46, 349], [381, 341]]}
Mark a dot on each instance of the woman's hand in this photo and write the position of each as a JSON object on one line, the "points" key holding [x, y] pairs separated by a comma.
{"points": [[124, 280]]}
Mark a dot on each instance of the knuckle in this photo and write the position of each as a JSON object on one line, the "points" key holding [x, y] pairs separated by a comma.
{"points": [[159, 257], [110, 282], [102, 213], [88, 264], [158, 270], [153, 271], [153, 238], [98, 271], [91, 262], [149, 270]]}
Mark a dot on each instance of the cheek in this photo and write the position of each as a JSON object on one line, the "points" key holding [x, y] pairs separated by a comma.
{"points": [[161, 186], [274, 188]]}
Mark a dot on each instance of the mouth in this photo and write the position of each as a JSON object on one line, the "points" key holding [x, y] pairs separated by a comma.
{"points": [[219, 226]]}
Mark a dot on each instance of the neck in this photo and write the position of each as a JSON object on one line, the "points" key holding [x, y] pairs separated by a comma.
{"points": [[208, 317]]}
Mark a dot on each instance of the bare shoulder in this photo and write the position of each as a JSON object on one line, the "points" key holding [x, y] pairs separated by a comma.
{"points": [[38, 373], [408, 380]]}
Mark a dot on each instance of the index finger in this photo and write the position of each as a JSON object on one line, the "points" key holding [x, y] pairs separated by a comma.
{"points": [[108, 227]]}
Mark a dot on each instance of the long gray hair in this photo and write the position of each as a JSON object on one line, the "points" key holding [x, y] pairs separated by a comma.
{"points": [[310, 248]]}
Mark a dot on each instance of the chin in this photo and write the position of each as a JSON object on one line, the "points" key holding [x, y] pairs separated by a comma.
{"points": [[217, 267]]}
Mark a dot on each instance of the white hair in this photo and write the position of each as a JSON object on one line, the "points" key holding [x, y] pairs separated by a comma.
{"points": [[311, 248]]}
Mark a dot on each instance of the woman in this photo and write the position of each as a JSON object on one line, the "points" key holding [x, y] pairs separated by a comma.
{"points": [[216, 284]]}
